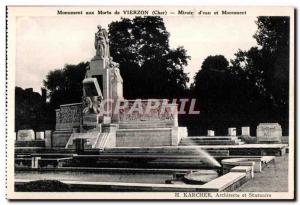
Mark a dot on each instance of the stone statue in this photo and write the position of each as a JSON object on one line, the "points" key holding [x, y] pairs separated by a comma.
{"points": [[101, 43]]}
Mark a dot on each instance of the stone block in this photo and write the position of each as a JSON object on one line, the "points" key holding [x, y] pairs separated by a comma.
{"points": [[40, 135], [177, 134], [232, 131], [269, 133], [246, 169], [245, 131], [106, 120], [222, 183], [25, 135], [210, 133]]}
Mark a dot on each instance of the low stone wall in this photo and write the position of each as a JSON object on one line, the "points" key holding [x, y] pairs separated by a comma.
{"points": [[144, 137], [68, 116]]}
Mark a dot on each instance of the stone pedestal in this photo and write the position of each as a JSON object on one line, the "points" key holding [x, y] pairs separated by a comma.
{"points": [[98, 70], [40, 136], [245, 131], [232, 131], [25, 135], [269, 133], [210, 133], [48, 138]]}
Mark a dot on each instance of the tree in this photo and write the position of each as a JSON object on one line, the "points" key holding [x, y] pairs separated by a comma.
{"points": [[214, 89], [149, 67], [210, 80], [65, 85], [31, 110], [268, 66], [273, 36], [263, 71]]}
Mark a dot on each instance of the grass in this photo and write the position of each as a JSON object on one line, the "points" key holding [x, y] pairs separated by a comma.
{"points": [[273, 178]]}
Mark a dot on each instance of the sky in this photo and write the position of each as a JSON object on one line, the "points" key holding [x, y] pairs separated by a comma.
{"points": [[48, 43]]}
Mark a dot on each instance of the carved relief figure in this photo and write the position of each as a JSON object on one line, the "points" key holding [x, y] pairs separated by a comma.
{"points": [[92, 104]]}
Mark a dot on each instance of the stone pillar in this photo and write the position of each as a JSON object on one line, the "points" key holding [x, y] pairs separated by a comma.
{"points": [[245, 131], [174, 109], [177, 134], [210, 133], [48, 138], [232, 131], [35, 162]]}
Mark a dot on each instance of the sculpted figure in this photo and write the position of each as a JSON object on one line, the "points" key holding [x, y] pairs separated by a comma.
{"points": [[92, 104], [101, 43]]}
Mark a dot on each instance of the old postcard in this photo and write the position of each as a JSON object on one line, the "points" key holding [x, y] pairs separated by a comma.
{"points": [[132, 102]]}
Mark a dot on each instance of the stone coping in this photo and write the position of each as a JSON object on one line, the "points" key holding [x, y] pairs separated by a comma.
{"points": [[151, 156], [70, 104], [239, 160], [183, 187], [117, 169], [262, 146], [256, 162], [239, 163], [221, 183], [242, 146], [218, 184], [267, 159], [209, 137], [144, 129], [241, 169]]}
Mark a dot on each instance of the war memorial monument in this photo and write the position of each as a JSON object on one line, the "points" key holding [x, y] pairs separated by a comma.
{"points": [[108, 143]]}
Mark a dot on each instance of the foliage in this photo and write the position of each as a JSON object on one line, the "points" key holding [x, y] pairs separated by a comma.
{"points": [[254, 88], [31, 110], [65, 85], [149, 67]]}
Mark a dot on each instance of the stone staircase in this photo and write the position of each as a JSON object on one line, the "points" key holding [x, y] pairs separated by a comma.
{"points": [[91, 139], [146, 124], [205, 140], [172, 151], [94, 140], [102, 140], [175, 157]]}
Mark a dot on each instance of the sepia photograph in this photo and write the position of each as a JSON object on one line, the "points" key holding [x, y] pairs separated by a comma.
{"points": [[173, 103]]}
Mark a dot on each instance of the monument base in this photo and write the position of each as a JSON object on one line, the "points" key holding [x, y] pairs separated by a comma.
{"points": [[150, 137]]}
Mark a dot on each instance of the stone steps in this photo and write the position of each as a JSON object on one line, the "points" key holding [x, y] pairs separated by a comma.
{"points": [[209, 142], [91, 139], [138, 125], [34, 143], [212, 138], [163, 151], [215, 140], [102, 140]]}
